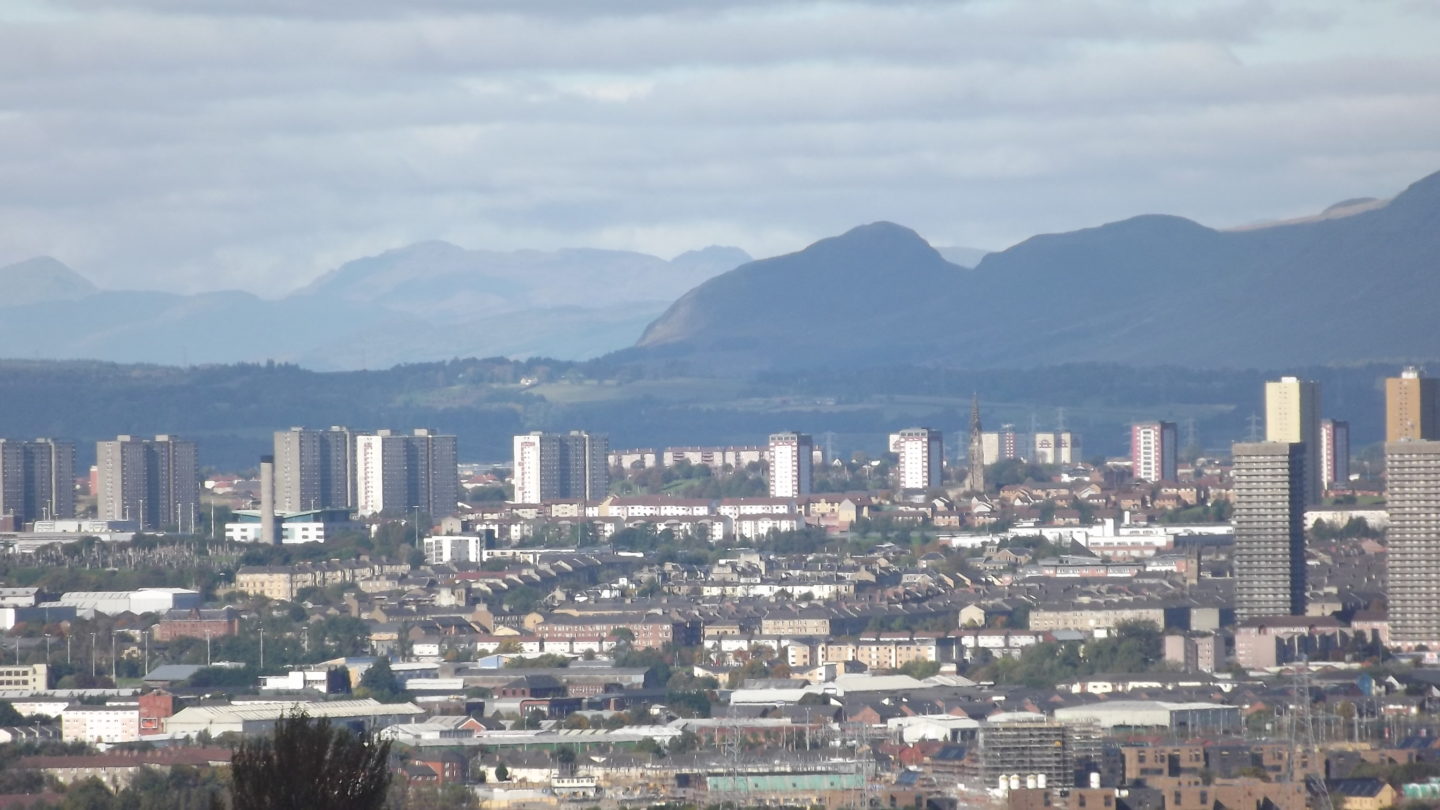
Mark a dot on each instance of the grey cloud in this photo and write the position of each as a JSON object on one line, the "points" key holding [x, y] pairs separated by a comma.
{"points": [[157, 145]]}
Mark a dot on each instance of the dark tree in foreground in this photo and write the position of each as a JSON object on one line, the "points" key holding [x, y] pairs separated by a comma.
{"points": [[309, 764]]}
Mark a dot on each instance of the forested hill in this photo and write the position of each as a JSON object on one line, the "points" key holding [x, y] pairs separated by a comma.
{"points": [[232, 409]]}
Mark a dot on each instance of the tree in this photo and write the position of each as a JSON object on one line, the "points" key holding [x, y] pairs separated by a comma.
{"points": [[307, 763], [88, 794], [920, 669], [8, 715], [379, 682]]}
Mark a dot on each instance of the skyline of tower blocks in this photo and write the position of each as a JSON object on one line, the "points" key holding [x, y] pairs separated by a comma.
{"points": [[154, 482], [561, 466], [1292, 414], [1412, 496], [1412, 406], [1269, 557], [791, 460], [37, 480], [920, 454], [314, 469], [1154, 451]]}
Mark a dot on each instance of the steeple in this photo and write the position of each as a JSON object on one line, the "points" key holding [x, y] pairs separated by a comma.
{"points": [[975, 479]]}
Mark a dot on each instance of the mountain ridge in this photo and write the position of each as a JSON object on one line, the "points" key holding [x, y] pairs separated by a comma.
{"points": [[1355, 288]]}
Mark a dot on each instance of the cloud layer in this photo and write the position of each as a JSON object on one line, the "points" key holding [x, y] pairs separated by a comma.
{"points": [[256, 143]]}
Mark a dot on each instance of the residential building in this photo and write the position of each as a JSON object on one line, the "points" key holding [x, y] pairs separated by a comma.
{"points": [[1334, 452], [716, 458], [561, 466], [24, 677], [791, 459], [397, 472], [155, 483], [1056, 447], [100, 724], [314, 469], [1292, 414], [1412, 406], [1153, 451], [1269, 483], [563, 633], [197, 623], [37, 480], [1004, 444], [921, 453], [1412, 495]]}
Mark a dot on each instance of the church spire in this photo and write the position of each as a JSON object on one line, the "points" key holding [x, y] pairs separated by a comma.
{"points": [[975, 479]]}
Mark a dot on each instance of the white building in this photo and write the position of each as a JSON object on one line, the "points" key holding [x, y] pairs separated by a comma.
{"points": [[1004, 444], [144, 600], [642, 506], [558, 466], [1056, 447], [1334, 452], [260, 718], [742, 507], [100, 724], [308, 532], [19, 597], [443, 549], [751, 527], [28, 678], [791, 458], [1153, 455], [401, 472], [921, 453]]}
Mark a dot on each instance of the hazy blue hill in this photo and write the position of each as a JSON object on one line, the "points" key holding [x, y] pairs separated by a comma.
{"points": [[1147, 290], [41, 279], [859, 293], [431, 277], [711, 261], [424, 302]]}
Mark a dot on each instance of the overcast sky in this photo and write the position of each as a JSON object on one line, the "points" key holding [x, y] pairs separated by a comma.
{"points": [[256, 143]]}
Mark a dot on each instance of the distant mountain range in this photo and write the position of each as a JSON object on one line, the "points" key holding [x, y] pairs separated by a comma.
{"points": [[1360, 282], [428, 301], [1357, 282]]}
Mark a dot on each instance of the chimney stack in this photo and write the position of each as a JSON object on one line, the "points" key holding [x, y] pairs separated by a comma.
{"points": [[267, 501]]}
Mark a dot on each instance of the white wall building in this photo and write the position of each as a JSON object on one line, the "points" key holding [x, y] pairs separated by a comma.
{"points": [[443, 549], [289, 532], [400, 472], [791, 459], [1056, 447], [558, 466], [144, 600], [921, 453], [1153, 451], [100, 724]]}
